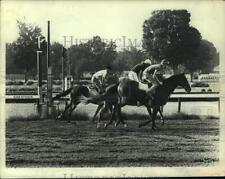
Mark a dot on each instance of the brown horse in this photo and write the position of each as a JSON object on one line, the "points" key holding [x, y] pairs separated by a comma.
{"points": [[78, 92], [127, 92]]}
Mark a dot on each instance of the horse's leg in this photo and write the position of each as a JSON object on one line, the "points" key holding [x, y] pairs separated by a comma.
{"points": [[161, 114], [102, 111], [155, 111], [70, 111], [96, 112], [119, 111], [112, 117], [64, 112], [148, 121]]}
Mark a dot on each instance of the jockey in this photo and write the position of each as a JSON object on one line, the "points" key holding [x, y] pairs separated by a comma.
{"points": [[99, 79], [149, 75], [137, 70]]}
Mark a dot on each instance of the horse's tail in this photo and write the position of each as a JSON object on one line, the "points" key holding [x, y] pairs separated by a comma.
{"points": [[64, 93]]}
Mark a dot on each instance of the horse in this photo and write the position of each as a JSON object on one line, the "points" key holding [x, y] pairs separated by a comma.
{"points": [[77, 93], [128, 93]]}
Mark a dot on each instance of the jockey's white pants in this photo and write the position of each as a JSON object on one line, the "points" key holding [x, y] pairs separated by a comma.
{"points": [[150, 79], [133, 76]]}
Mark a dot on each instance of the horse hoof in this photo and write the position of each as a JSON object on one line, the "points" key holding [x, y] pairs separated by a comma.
{"points": [[125, 125], [105, 125]]}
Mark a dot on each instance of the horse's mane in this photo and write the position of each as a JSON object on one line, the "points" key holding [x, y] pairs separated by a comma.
{"points": [[172, 78]]}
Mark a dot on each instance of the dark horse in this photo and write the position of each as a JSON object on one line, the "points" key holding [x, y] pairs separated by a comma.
{"points": [[75, 92], [78, 92], [128, 93]]}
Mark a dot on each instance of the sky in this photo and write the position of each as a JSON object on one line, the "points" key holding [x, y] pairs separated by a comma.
{"points": [[117, 20]]}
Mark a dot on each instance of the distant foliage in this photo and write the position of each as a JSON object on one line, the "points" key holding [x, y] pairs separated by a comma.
{"points": [[24, 48], [168, 34], [91, 56], [206, 59], [126, 59]]}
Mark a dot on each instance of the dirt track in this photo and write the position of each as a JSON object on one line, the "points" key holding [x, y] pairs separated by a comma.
{"points": [[181, 142]]}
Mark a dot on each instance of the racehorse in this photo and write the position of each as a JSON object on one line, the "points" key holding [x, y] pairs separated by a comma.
{"points": [[128, 93], [77, 93]]}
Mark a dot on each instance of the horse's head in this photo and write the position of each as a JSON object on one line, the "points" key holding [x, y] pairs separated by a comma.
{"points": [[183, 82]]}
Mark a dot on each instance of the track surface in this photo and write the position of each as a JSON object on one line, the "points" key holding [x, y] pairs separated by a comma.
{"points": [[49, 143]]}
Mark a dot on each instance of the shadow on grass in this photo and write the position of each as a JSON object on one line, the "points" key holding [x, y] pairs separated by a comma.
{"points": [[175, 116], [84, 117], [23, 118], [76, 117]]}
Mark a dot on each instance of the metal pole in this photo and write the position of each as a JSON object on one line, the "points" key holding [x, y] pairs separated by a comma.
{"points": [[179, 104], [49, 67], [219, 105], [39, 71], [62, 71], [69, 63]]}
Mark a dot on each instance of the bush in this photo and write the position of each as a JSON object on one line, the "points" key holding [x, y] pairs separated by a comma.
{"points": [[200, 84]]}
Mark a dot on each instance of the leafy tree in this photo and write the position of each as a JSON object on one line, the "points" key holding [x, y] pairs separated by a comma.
{"points": [[24, 48], [10, 65], [168, 34], [206, 58], [126, 59], [91, 56], [56, 57], [79, 55]]}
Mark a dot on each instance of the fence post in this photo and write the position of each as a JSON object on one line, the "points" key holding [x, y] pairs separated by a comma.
{"points": [[219, 105], [179, 104]]}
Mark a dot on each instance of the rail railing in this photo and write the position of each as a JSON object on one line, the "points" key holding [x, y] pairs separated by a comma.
{"points": [[175, 97]]}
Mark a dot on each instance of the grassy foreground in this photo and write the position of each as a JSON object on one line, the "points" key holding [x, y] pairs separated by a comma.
{"points": [[184, 140]]}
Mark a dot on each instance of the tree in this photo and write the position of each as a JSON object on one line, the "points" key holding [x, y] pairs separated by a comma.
{"points": [[56, 56], [24, 48], [206, 58], [91, 56], [10, 65], [79, 55], [167, 34], [126, 59]]}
